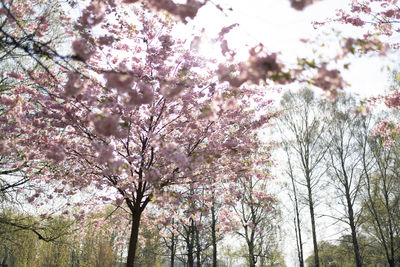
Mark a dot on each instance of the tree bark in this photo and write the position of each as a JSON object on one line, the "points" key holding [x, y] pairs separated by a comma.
{"points": [[312, 216], [133, 238], [252, 261], [352, 223], [299, 244], [297, 226], [198, 247], [190, 244], [213, 236], [172, 256]]}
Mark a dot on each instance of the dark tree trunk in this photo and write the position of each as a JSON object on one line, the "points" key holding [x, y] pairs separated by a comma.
{"points": [[198, 247], [213, 236], [136, 207], [133, 238], [298, 227], [298, 242], [190, 255], [312, 216], [252, 261], [352, 223], [190, 244], [389, 218], [172, 257]]}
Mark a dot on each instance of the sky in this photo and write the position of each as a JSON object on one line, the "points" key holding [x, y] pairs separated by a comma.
{"points": [[279, 28]]}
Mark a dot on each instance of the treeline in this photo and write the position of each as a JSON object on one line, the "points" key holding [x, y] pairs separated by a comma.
{"points": [[60, 243], [25, 242], [342, 172]]}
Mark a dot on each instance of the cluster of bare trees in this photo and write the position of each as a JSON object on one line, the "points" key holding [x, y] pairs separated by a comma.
{"points": [[338, 170]]}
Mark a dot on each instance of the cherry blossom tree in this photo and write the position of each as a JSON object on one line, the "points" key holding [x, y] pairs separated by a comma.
{"points": [[125, 134], [253, 203], [117, 106], [378, 23]]}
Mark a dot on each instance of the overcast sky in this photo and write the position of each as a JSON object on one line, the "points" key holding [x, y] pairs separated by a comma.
{"points": [[279, 28]]}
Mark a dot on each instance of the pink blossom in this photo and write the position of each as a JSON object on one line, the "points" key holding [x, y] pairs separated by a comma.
{"points": [[74, 84], [31, 199], [56, 153], [172, 89], [3, 119], [231, 144], [388, 143], [175, 232], [184, 11], [226, 30], [3, 149], [106, 40], [382, 129], [82, 49], [329, 80], [393, 100], [356, 22], [224, 47], [42, 27], [121, 82], [119, 201], [389, 13], [143, 96], [195, 44], [106, 125], [250, 225], [104, 154], [120, 243], [301, 4], [153, 175], [6, 100], [15, 75], [92, 15], [225, 74]]}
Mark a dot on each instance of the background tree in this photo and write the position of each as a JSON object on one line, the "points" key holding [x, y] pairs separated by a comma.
{"points": [[380, 197], [303, 131], [348, 137], [341, 253], [254, 204]]}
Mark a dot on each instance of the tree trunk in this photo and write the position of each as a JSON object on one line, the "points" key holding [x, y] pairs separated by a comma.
{"points": [[299, 244], [389, 218], [190, 255], [4, 261], [356, 249], [312, 216], [252, 261], [190, 245], [198, 247], [134, 237], [377, 218], [213, 236], [297, 226], [172, 257]]}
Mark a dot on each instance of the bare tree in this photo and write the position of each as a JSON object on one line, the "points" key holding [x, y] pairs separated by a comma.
{"points": [[302, 129], [348, 134]]}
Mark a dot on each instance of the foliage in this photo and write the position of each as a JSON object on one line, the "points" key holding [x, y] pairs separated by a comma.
{"points": [[21, 247], [341, 254]]}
